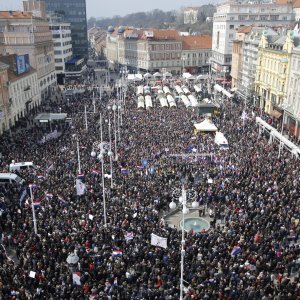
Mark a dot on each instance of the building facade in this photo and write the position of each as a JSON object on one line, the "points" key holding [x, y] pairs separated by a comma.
{"points": [[230, 16], [62, 43], [293, 97], [23, 89], [21, 33], [190, 15], [74, 12], [273, 66], [152, 50], [4, 98]]}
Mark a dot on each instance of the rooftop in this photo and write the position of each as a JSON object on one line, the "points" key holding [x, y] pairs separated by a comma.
{"points": [[196, 42], [15, 15]]}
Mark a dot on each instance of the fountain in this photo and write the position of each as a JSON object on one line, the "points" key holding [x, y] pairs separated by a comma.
{"points": [[195, 224]]}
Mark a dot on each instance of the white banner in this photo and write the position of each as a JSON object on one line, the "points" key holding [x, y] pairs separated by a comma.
{"points": [[80, 187], [158, 241]]}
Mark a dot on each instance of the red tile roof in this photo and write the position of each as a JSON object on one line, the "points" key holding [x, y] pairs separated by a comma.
{"points": [[192, 42], [15, 15]]}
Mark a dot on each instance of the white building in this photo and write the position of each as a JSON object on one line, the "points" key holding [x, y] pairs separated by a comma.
{"points": [[230, 16], [190, 15], [24, 92], [62, 43], [293, 93]]}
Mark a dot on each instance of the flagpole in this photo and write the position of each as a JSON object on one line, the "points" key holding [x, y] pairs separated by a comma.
{"points": [[182, 243], [33, 211], [85, 117], [110, 156], [78, 156]]}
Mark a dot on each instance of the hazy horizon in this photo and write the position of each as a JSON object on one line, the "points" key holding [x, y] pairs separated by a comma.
{"points": [[117, 7]]}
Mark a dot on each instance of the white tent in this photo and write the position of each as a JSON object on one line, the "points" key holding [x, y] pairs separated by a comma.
{"points": [[206, 125], [148, 102], [186, 90], [191, 78], [166, 90], [167, 75], [148, 75], [202, 76], [178, 89], [227, 94], [193, 100], [157, 74], [186, 75]]}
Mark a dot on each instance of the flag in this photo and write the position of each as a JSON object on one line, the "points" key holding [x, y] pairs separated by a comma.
{"points": [[36, 203], [23, 194], [95, 172], [61, 199], [158, 241], [117, 253], [80, 176], [80, 187], [49, 195], [124, 171], [129, 236], [40, 177], [236, 250], [244, 115], [76, 278]]}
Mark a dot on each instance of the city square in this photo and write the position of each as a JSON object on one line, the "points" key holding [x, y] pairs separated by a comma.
{"points": [[169, 182]]}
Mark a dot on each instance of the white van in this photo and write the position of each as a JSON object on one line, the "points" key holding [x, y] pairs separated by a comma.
{"points": [[21, 166], [221, 140], [9, 178]]}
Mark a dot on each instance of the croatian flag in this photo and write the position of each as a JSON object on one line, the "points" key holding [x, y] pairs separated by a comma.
{"points": [[36, 203], [124, 171], [40, 177], [117, 253], [49, 195], [80, 176], [95, 172], [236, 250], [61, 199]]}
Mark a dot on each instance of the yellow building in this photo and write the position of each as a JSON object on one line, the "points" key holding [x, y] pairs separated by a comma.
{"points": [[273, 66]]}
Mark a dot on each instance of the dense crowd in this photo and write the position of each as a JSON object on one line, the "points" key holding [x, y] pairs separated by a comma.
{"points": [[253, 198]]}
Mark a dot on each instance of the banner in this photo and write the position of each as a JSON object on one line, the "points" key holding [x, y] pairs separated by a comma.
{"points": [[80, 187], [158, 241]]}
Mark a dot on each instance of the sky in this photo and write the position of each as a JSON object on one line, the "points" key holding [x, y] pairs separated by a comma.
{"points": [[97, 8]]}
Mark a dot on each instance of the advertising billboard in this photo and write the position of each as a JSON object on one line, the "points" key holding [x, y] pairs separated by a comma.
{"points": [[22, 64]]}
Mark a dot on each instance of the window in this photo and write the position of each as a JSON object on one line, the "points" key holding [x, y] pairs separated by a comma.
{"points": [[231, 26]]}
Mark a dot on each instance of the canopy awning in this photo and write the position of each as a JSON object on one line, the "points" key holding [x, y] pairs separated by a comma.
{"points": [[157, 74], [206, 125]]}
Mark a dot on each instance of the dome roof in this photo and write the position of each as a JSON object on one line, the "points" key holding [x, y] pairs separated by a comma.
{"points": [[121, 29], [110, 29]]}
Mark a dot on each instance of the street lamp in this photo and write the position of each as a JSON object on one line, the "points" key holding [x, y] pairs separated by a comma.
{"points": [[113, 108], [185, 210]]}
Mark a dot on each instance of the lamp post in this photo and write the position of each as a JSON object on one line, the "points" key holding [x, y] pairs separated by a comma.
{"points": [[33, 210], [110, 154], [185, 210], [101, 151], [114, 107]]}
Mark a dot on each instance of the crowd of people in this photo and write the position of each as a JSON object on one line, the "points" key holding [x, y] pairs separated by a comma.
{"points": [[252, 194]]}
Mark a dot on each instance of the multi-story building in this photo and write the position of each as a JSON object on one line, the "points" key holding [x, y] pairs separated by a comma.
{"points": [[244, 59], [292, 119], [61, 33], [190, 15], [157, 49], [196, 53], [22, 33], [230, 16], [273, 65], [23, 87], [74, 12], [4, 98]]}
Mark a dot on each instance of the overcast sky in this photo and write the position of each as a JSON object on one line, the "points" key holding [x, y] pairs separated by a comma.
{"points": [[109, 8]]}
